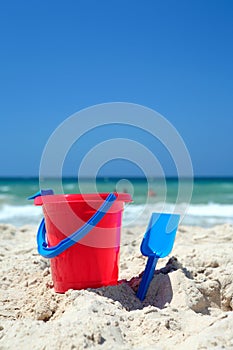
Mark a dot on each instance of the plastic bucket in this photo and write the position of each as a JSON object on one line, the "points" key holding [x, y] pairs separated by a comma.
{"points": [[81, 235]]}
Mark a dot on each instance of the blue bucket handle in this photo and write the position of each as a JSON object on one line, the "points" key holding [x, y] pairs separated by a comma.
{"points": [[51, 252]]}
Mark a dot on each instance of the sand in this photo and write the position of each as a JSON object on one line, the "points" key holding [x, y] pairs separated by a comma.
{"points": [[188, 306]]}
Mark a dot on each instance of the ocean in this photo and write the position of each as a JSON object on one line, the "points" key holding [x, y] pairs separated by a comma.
{"points": [[211, 202]]}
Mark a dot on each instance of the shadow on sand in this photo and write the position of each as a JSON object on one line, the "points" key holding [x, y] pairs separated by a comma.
{"points": [[159, 293]]}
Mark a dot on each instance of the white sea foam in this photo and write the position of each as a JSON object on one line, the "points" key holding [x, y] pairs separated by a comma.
{"points": [[211, 209], [197, 214], [20, 215]]}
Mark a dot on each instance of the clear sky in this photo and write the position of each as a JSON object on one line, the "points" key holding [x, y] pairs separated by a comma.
{"points": [[57, 57]]}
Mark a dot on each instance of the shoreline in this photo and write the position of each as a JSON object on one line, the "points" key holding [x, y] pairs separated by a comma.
{"points": [[188, 305]]}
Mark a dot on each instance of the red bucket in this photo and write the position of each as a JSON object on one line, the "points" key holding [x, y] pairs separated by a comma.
{"points": [[93, 260]]}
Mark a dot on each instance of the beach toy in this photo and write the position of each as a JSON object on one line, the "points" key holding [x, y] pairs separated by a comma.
{"points": [[157, 243], [80, 233]]}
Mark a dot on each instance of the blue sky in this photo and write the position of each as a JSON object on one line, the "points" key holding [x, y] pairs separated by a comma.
{"points": [[58, 57]]}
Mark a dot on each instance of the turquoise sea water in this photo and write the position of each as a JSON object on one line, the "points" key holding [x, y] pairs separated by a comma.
{"points": [[211, 202]]}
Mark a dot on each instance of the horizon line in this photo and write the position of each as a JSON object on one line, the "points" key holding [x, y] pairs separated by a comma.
{"points": [[118, 177]]}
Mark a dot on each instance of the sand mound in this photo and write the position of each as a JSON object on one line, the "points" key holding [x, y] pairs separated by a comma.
{"points": [[189, 303]]}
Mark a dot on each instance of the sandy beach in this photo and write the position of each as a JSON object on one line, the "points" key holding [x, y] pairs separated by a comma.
{"points": [[189, 303]]}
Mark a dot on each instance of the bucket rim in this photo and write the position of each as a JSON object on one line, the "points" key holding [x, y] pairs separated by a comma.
{"points": [[79, 197]]}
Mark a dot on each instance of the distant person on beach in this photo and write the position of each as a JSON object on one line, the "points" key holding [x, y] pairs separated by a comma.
{"points": [[151, 193]]}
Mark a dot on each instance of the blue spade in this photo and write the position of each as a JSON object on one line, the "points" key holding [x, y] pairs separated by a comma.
{"points": [[157, 243]]}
